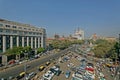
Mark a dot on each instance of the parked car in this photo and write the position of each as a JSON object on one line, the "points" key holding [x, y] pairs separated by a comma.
{"points": [[67, 74], [11, 61], [77, 76], [48, 75], [30, 75], [58, 72]]}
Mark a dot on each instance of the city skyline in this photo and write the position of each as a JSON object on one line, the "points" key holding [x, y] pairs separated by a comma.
{"points": [[64, 16]]}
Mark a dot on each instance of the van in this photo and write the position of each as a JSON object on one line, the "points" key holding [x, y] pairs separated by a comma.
{"points": [[41, 68]]}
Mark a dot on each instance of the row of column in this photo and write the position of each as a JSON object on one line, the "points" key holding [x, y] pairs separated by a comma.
{"points": [[11, 42]]}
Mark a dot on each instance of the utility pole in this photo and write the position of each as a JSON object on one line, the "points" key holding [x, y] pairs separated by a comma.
{"points": [[25, 65]]}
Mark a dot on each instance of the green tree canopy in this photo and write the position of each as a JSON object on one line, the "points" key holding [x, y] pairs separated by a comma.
{"points": [[39, 50], [62, 44], [17, 50], [103, 48]]}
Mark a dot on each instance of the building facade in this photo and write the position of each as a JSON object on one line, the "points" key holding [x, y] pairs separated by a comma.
{"points": [[18, 34], [79, 34]]}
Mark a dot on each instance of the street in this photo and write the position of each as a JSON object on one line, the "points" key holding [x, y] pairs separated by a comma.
{"points": [[14, 71]]}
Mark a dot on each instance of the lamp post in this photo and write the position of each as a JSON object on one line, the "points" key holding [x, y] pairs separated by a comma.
{"points": [[25, 56]]}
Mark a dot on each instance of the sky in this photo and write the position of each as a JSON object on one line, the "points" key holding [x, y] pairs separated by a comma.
{"points": [[63, 17]]}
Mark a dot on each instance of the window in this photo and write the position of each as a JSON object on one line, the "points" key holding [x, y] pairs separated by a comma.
{"points": [[7, 26], [8, 31], [14, 31], [33, 33], [14, 26], [20, 32], [0, 36], [1, 25], [40, 33], [25, 28], [37, 33], [25, 32], [30, 32], [29, 29], [1, 30], [20, 27]]}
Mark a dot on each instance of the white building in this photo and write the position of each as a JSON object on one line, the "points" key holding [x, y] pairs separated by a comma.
{"points": [[79, 34], [18, 34]]}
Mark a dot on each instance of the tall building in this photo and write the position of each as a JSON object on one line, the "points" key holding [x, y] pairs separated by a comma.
{"points": [[18, 34], [56, 36], [79, 34], [94, 37]]}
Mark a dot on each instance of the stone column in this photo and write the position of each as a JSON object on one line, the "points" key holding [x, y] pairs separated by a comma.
{"points": [[11, 42], [35, 43], [42, 41], [27, 41], [17, 41], [38, 42], [4, 43], [31, 42], [22, 41]]}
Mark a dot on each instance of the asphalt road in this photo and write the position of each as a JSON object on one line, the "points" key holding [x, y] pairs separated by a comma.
{"points": [[14, 71]]}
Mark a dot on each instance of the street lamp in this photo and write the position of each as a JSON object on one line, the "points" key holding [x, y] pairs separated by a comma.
{"points": [[26, 57]]}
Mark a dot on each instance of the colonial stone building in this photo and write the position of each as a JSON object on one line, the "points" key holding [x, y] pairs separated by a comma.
{"points": [[18, 34]]}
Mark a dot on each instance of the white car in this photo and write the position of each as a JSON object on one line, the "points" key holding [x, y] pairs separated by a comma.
{"points": [[51, 73], [48, 75], [77, 76], [30, 75]]}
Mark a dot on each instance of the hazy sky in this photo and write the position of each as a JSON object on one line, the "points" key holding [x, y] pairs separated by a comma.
{"points": [[64, 16]]}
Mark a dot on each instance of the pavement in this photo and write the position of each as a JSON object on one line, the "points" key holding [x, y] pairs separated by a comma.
{"points": [[63, 67]]}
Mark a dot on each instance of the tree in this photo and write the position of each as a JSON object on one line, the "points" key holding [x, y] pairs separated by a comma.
{"points": [[116, 50], [27, 49], [39, 50], [17, 51], [103, 48]]}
